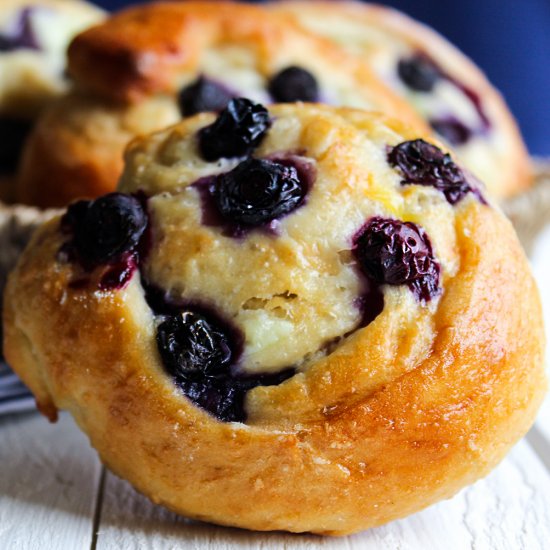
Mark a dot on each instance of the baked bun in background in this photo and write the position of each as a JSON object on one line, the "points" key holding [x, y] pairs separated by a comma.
{"points": [[441, 83], [76, 147], [34, 35], [200, 55], [307, 319]]}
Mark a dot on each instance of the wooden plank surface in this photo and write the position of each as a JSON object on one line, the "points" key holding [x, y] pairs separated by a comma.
{"points": [[508, 510], [539, 437], [48, 481]]}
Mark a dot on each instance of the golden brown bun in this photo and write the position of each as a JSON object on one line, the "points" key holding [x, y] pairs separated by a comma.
{"points": [[377, 423], [75, 150], [158, 49], [382, 36]]}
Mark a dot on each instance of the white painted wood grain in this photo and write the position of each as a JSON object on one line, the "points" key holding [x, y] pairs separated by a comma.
{"points": [[48, 481], [510, 510], [539, 437]]}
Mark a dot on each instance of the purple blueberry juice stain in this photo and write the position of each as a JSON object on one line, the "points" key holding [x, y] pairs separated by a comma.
{"points": [[303, 165], [475, 100], [21, 35], [397, 253], [370, 303], [422, 163], [420, 73], [119, 273]]}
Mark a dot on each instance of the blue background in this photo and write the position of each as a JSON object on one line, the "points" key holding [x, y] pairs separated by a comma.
{"points": [[508, 39]]}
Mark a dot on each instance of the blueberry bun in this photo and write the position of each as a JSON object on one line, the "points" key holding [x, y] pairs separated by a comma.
{"points": [[196, 56], [34, 35], [441, 83], [288, 318]]}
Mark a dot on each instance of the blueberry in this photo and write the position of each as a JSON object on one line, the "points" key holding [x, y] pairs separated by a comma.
{"points": [[397, 253], [203, 95], [224, 396], [294, 84], [190, 345], [221, 397], [452, 130], [238, 130], [422, 163], [419, 72], [199, 351], [258, 191], [105, 229]]}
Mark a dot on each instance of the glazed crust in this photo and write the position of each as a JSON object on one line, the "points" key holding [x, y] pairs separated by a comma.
{"points": [[404, 412], [500, 159], [146, 49]]}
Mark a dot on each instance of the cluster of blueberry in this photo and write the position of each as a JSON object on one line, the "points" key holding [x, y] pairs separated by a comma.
{"points": [[287, 86], [198, 348]]}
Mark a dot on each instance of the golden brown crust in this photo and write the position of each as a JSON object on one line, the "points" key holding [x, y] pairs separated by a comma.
{"points": [[505, 165], [76, 148], [369, 433], [147, 49]]}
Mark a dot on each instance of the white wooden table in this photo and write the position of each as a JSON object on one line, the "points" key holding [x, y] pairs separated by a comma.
{"points": [[54, 494]]}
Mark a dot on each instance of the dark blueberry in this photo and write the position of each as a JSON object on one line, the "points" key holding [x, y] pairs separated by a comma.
{"points": [[238, 130], [200, 351], [203, 95], [294, 84], [419, 72], [258, 191], [422, 163], [396, 253], [221, 397], [191, 345], [13, 133], [224, 396], [104, 229], [21, 36], [452, 130]]}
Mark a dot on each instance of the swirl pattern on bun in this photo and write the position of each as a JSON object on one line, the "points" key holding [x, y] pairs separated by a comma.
{"points": [[324, 331]]}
